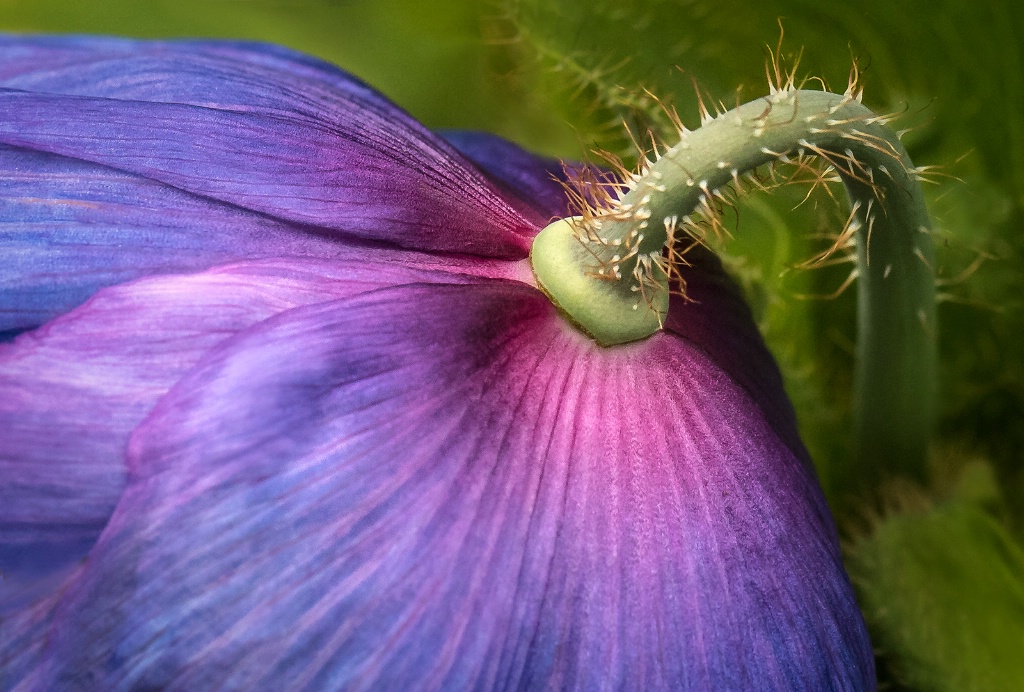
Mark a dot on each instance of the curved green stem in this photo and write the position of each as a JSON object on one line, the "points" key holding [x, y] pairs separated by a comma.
{"points": [[607, 270]]}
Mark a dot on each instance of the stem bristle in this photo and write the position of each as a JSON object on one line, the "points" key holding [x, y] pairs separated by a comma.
{"points": [[597, 198]]}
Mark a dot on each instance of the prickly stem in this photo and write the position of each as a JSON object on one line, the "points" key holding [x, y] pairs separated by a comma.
{"points": [[609, 271]]}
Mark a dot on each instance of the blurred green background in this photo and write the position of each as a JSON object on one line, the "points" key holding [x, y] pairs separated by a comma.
{"points": [[939, 568]]}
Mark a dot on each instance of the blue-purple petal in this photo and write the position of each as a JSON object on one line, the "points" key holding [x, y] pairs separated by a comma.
{"points": [[350, 173], [180, 156], [715, 317], [449, 487], [24, 635], [530, 177], [74, 389], [68, 228], [241, 123], [237, 75]]}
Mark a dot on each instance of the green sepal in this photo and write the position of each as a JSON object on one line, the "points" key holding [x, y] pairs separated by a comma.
{"points": [[607, 310]]}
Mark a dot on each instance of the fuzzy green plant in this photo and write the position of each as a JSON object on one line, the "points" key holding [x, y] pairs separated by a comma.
{"points": [[941, 582]]}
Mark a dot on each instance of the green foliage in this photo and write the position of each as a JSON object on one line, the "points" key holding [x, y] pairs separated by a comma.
{"points": [[943, 590]]}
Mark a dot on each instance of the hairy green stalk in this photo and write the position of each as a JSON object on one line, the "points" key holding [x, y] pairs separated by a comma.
{"points": [[609, 269]]}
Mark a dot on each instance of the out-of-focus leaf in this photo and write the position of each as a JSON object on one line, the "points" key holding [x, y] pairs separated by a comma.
{"points": [[942, 588]]}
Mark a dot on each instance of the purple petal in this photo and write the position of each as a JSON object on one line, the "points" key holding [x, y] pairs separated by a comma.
{"points": [[205, 71], [324, 151], [528, 176], [74, 390], [68, 228], [24, 634], [181, 156], [716, 318], [449, 487]]}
